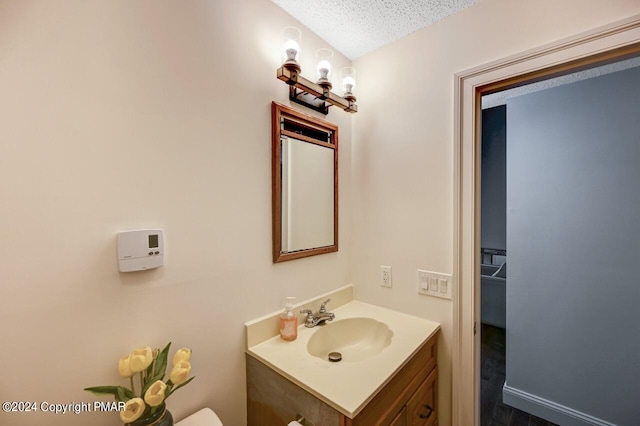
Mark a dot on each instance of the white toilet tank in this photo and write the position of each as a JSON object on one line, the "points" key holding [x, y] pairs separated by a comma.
{"points": [[204, 417]]}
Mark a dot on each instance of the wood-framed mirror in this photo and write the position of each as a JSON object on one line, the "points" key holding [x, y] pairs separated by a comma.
{"points": [[304, 184]]}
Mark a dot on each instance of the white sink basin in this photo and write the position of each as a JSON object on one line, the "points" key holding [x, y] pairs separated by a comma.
{"points": [[354, 338]]}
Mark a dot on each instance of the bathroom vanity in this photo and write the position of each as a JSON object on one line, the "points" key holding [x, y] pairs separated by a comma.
{"points": [[388, 374]]}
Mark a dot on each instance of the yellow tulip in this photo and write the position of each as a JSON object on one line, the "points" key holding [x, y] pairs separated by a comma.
{"points": [[183, 354], [133, 409], [140, 359], [124, 368], [155, 394], [180, 372]]}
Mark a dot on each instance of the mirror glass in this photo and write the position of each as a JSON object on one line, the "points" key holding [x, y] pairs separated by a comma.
{"points": [[305, 190], [307, 195]]}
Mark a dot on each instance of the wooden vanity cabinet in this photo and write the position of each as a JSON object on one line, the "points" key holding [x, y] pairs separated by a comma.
{"points": [[410, 398], [404, 400]]}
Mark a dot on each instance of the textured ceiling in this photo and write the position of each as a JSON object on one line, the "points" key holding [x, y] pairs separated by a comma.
{"points": [[357, 27]]}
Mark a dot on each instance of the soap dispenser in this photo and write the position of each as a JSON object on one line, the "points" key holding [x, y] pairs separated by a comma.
{"points": [[289, 321]]}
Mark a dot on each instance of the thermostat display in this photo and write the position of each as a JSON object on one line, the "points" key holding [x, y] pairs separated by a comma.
{"points": [[140, 249]]}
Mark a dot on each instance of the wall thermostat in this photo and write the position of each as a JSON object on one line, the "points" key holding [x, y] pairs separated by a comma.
{"points": [[140, 249]]}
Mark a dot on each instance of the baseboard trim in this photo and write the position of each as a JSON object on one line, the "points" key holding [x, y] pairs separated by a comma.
{"points": [[548, 410]]}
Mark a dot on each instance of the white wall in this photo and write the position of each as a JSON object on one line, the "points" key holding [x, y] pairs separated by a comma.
{"points": [[119, 115], [403, 143]]}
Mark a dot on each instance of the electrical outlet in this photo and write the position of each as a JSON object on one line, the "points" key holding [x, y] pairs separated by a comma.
{"points": [[385, 276], [434, 284]]}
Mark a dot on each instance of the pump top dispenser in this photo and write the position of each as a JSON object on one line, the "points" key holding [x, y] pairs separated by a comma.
{"points": [[289, 321]]}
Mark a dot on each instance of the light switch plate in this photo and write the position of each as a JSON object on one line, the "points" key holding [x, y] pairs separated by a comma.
{"points": [[434, 284]]}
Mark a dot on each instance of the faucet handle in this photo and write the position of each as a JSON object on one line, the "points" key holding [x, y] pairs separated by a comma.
{"points": [[323, 307], [309, 322]]}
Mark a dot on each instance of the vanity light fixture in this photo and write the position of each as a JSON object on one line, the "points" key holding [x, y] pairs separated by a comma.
{"points": [[317, 96]]}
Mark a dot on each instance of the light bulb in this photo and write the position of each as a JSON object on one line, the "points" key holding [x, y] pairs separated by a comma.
{"points": [[348, 84], [324, 68], [291, 47], [348, 75], [323, 59]]}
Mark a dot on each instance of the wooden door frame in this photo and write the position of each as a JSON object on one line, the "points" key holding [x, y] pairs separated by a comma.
{"points": [[599, 46]]}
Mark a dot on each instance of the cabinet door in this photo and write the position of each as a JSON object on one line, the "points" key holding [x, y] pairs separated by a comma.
{"points": [[421, 408], [400, 419]]}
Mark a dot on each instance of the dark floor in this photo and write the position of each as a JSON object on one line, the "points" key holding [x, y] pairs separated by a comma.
{"points": [[492, 374]]}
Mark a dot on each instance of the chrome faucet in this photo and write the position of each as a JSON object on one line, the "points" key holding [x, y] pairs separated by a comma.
{"points": [[320, 317]]}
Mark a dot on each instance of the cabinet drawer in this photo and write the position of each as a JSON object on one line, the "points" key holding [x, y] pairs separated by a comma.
{"points": [[421, 408]]}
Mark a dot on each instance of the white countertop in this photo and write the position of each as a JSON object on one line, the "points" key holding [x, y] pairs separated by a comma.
{"points": [[347, 386]]}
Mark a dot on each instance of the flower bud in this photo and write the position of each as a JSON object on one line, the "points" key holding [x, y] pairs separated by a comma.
{"points": [[140, 359], [183, 354], [124, 368], [155, 394], [133, 409], [180, 372]]}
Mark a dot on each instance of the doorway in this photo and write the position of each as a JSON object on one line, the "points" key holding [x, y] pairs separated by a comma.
{"points": [[603, 45], [572, 149]]}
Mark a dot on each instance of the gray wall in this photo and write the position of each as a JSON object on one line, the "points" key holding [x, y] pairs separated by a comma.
{"points": [[573, 240], [494, 178]]}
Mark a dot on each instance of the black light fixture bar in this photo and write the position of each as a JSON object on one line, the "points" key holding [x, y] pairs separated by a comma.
{"points": [[303, 98]]}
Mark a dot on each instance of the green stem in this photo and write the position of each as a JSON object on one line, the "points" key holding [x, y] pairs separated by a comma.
{"points": [[141, 384], [133, 388], [169, 390]]}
